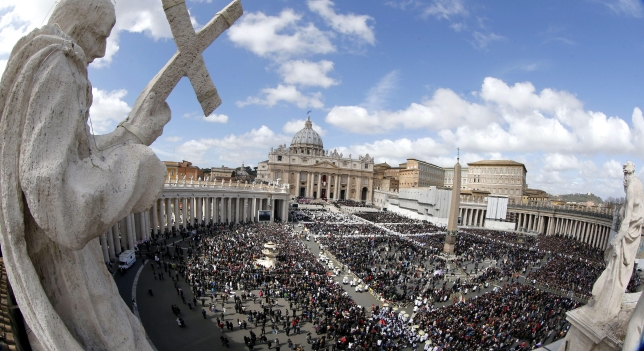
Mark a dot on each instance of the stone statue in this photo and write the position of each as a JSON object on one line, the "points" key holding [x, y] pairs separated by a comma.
{"points": [[238, 183], [61, 188], [230, 183], [222, 183], [634, 340], [620, 254]]}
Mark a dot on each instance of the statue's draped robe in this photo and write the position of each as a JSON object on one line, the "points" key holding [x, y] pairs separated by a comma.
{"points": [[611, 284], [59, 194]]}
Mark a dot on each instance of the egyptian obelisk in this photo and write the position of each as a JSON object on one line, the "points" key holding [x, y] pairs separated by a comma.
{"points": [[452, 221]]}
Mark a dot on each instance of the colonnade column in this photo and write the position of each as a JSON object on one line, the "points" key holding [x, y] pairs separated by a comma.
{"points": [[236, 210], [142, 227], [155, 218], [184, 212], [200, 210], [207, 209], [162, 215], [117, 239], [176, 214], [131, 232], [215, 210], [110, 243], [348, 192], [103, 240], [229, 210], [193, 212], [272, 204]]}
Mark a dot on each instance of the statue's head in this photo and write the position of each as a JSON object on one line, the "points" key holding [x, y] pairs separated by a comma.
{"points": [[629, 171], [88, 22]]}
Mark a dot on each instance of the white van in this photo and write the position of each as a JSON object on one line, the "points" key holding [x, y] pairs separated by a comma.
{"points": [[126, 259]]}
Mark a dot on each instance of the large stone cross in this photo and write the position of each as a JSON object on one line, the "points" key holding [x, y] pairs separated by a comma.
{"points": [[187, 61]]}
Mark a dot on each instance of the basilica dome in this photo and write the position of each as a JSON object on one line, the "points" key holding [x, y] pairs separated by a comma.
{"points": [[307, 137]]}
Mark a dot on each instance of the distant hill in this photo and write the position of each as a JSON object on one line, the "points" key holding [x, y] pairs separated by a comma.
{"points": [[578, 198]]}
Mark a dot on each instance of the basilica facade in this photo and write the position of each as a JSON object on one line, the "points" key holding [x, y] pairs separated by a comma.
{"points": [[311, 171]]}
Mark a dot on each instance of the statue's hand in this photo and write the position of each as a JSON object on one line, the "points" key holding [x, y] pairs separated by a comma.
{"points": [[147, 121]]}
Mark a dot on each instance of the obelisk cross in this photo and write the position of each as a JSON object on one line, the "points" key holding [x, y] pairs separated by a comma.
{"points": [[192, 44]]}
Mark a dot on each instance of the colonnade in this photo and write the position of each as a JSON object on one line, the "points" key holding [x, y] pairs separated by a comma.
{"points": [[590, 232], [472, 217], [594, 234], [171, 213]]}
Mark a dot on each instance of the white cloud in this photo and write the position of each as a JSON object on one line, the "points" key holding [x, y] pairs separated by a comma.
{"points": [[446, 9], [638, 128], [141, 16], [351, 24], [173, 139], [107, 110], [287, 93], [458, 27], [215, 118], [634, 8], [560, 162], [279, 37], [233, 148], [307, 73], [508, 118], [444, 110], [613, 169], [20, 17], [379, 94], [482, 40], [295, 125]]}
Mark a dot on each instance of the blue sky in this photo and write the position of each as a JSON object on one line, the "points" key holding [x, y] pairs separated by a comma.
{"points": [[558, 85]]}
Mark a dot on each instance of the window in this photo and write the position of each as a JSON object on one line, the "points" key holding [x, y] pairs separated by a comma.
{"points": [[172, 173], [302, 176], [279, 158], [366, 166]]}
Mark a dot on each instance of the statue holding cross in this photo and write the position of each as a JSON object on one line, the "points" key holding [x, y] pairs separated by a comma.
{"points": [[61, 188]]}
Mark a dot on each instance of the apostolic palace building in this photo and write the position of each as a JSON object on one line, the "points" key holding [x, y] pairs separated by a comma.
{"points": [[314, 172]]}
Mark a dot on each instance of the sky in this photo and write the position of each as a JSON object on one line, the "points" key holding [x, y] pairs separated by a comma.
{"points": [[557, 85]]}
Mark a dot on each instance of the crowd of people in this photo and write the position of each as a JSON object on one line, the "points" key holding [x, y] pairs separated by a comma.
{"points": [[361, 229], [423, 227], [498, 291], [385, 217], [349, 203], [514, 317], [317, 215]]}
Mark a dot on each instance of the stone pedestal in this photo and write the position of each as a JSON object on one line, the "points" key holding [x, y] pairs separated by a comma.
{"points": [[270, 252], [586, 334], [450, 242]]}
